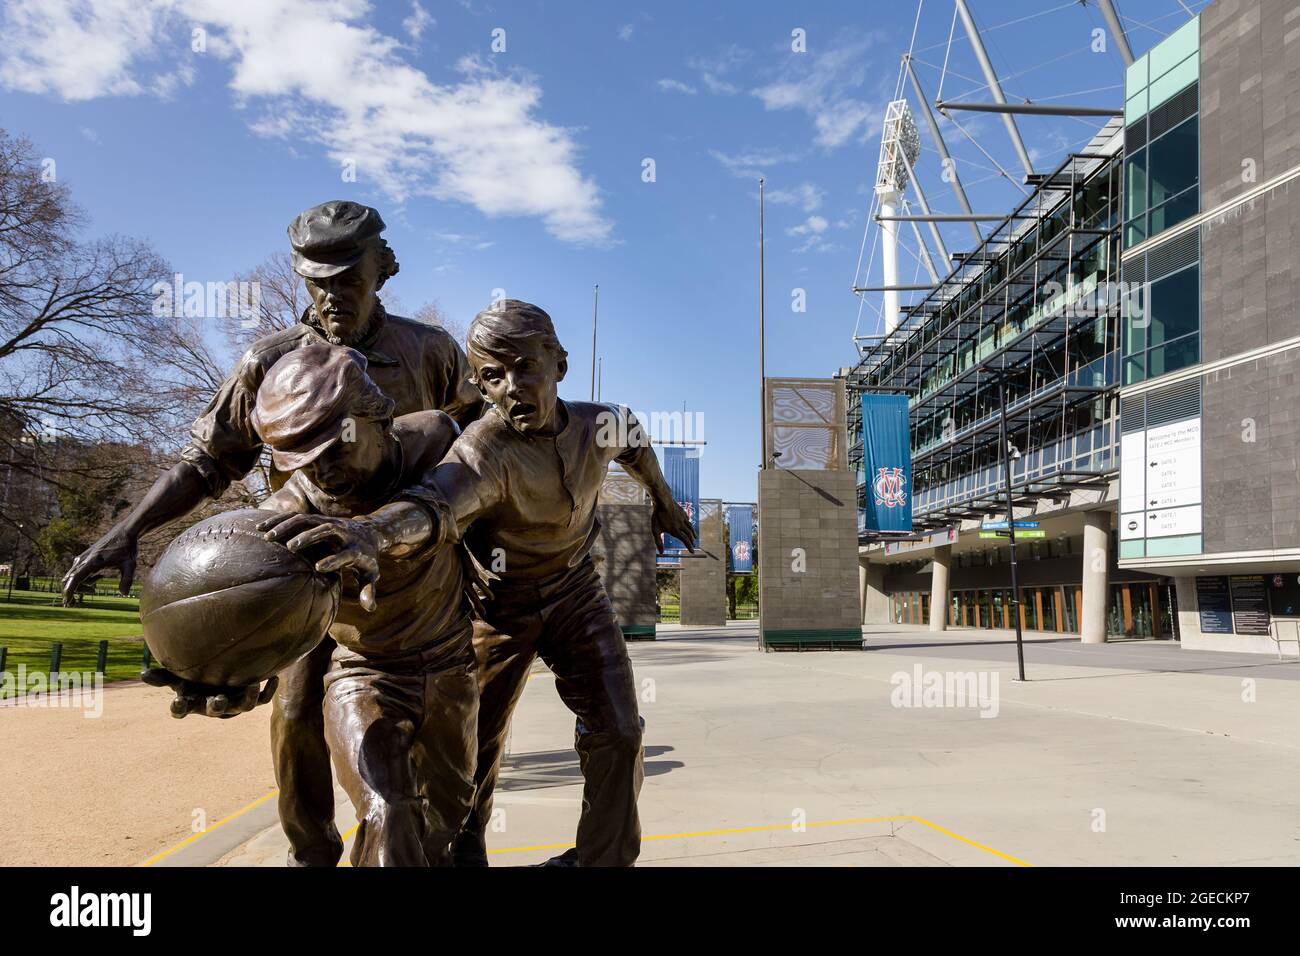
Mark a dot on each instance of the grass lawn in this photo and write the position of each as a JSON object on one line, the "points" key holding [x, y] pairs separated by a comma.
{"points": [[33, 621]]}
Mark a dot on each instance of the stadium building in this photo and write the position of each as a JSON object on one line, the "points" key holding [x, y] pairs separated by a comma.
{"points": [[1138, 312]]}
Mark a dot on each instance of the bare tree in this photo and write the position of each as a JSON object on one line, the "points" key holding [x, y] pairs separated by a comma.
{"points": [[281, 301], [432, 314], [98, 380]]}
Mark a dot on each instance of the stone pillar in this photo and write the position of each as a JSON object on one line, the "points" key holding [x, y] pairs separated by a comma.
{"points": [[871, 592], [939, 588], [704, 574], [1096, 576]]}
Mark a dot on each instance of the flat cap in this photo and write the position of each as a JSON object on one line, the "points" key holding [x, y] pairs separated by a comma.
{"points": [[307, 397], [331, 237]]}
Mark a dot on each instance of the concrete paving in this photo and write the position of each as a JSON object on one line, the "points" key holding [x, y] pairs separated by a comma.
{"points": [[1110, 755]]}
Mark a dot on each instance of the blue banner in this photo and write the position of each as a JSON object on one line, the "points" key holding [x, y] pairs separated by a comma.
{"points": [[886, 463], [740, 522], [683, 476]]}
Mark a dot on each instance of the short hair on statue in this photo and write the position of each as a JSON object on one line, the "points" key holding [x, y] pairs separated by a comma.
{"points": [[498, 328]]}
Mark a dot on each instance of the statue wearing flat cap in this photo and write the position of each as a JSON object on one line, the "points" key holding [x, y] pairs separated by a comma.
{"points": [[344, 262]]}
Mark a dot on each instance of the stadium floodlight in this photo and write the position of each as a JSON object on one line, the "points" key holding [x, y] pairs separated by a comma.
{"points": [[900, 147]]}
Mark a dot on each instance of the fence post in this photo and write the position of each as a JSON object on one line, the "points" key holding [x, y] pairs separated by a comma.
{"points": [[4, 658], [56, 657], [101, 662]]}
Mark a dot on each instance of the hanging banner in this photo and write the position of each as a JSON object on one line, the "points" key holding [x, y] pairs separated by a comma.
{"points": [[886, 463], [740, 521], [683, 476]]}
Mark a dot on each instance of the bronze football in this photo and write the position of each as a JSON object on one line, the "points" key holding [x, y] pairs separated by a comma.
{"points": [[224, 607]]}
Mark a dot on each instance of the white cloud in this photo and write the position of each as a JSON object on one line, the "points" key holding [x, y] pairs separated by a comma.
{"points": [[823, 86], [752, 163], [807, 196], [676, 86], [419, 21], [625, 31], [313, 70], [813, 225], [82, 50], [713, 68]]}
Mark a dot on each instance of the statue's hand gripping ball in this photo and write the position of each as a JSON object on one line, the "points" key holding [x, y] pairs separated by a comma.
{"points": [[224, 607]]}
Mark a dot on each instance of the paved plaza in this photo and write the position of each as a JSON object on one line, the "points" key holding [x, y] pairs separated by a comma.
{"points": [[1122, 754]]}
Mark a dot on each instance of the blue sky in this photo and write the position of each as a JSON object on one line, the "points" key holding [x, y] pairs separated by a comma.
{"points": [[523, 169]]}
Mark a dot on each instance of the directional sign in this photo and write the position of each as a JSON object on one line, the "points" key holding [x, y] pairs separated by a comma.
{"points": [[1019, 534], [1001, 525]]}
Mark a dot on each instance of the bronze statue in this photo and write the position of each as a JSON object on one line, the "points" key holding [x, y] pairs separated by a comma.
{"points": [[338, 251], [401, 699], [519, 489]]}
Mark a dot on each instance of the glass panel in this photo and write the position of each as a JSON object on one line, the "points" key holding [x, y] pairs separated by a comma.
{"points": [[1049, 609], [1170, 358], [1173, 212], [1172, 166], [1174, 303], [1069, 611], [1031, 609], [1134, 369], [1135, 184], [1178, 46]]}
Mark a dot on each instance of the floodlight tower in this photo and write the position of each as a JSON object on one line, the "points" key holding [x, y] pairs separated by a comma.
{"points": [[899, 148]]}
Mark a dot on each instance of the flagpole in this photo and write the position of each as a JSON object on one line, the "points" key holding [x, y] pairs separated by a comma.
{"points": [[762, 357], [595, 308]]}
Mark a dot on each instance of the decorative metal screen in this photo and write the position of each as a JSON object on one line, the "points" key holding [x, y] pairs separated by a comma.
{"points": [[806, 424], [620, 488]]}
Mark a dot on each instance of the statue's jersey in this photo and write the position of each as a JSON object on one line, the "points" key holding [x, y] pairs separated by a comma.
{"points": [[421, 601], [525, 505]]}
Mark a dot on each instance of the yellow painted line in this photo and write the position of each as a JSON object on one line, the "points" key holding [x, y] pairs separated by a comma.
{"points": [[222, 822], [786, 826]]}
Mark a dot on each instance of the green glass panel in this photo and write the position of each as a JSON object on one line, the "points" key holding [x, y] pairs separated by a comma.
{"points": [[1175, 49], [1132, 549], [1175, 81], [1135, 77], [1135, 107], [1180, 544]]}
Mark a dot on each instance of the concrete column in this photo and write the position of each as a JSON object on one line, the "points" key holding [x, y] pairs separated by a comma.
{"points": [[871, 592], [939, 588], [1096, 576]]}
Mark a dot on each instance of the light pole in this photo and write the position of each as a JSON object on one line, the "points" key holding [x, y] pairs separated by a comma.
{"points": [[1011, 527], [762, 338]]}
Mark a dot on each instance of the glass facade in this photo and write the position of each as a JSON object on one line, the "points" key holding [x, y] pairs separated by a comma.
{"points": [[1032, 315], [1142, 610], [1162, 137]]}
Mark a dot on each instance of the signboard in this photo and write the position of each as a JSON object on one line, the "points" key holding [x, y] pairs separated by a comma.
{"points": [[1002, 525], [1214, 604], [1019, 534], [1160, 481], [740, 535], [1249, 604], [886, 463]]}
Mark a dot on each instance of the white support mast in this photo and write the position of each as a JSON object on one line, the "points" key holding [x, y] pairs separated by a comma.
{"points": [[900, 145]]}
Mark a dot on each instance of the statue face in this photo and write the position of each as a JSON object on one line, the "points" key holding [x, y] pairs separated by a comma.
{"points": [[524, 385], [345, 302], [347, 468]]}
